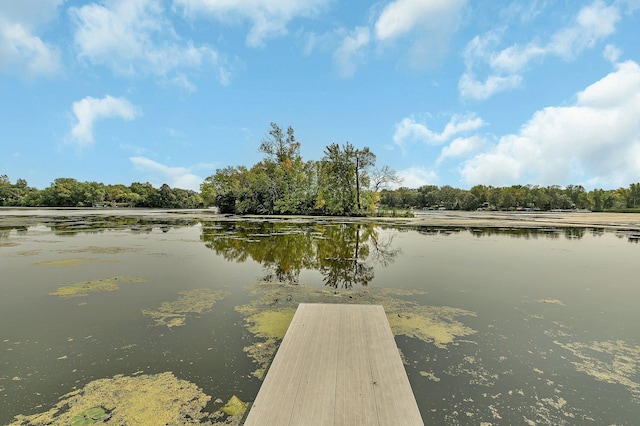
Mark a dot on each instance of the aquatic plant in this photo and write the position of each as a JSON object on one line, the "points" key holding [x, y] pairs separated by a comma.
{"points": [[234, 406], [196, 301], [88, 417], [85, 287], [73, 262], [133, 400]]}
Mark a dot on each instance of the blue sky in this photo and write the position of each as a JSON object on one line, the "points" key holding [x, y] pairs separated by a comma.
{"points": [[445, 92]]}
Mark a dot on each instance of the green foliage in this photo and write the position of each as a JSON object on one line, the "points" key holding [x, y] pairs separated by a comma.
{"points": [[68, 192], [88, 417], [343, 177], [336, 195], [394, 213], [516, 197]]}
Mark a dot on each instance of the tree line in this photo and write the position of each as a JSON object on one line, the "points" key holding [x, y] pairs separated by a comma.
{"points": [[68, 192], [516, 197]]}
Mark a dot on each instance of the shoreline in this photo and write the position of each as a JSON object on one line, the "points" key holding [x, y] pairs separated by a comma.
{"points": [[443, 218]]}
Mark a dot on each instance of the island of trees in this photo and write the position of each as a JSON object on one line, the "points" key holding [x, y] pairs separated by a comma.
{"points": [[345, 182]]}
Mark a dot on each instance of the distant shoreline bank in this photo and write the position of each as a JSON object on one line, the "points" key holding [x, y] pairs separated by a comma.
{"points": [[443, 218]]}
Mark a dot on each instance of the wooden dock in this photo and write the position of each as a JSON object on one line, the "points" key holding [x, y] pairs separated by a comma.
{"points": [[337, 365]]}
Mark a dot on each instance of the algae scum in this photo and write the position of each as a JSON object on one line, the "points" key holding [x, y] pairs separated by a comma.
{"points": [[153, 321], [190, 302]]}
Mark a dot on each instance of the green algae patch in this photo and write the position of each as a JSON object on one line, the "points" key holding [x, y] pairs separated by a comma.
{"points": [[132, 400], [103, 250], [270, 324], [429, 375], [435, 324], [88, 417], [551, 301], [27, 253], [616, 362], [262, 353], [190, 302], [73, 262], [234, 407], [84, 288]]}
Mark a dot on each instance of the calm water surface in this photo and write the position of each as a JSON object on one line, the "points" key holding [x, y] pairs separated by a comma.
{"points": [[551, 315]]}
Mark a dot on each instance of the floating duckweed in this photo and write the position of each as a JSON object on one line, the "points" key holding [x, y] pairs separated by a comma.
{"points": [[103, 250], [262, 353], [610, 362], [434, 324], [141, 400], [84, 288], [234, 407], [88, 417], [27, 253], [429, 375], [396, 292], [73, 262], [551, 301], [271, 324], [197, 301]]}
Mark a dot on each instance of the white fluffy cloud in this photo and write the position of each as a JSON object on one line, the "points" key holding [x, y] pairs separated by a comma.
{"points": [[30, 12], [597, 136], [419, 29], [415, 177], [461, 147], [175, 177], [349, 52], [471, 88], [90, 110], [409, 130], [269, 18], [593, 23], [133, 37], [611, 53], [400, 17], [428, 24], [21, 50]]}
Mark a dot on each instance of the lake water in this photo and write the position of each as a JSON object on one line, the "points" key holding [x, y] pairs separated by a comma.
{"points": [[502, 326]]}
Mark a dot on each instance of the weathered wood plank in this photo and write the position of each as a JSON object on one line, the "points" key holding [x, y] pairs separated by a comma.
{"points": [[337, 365]]}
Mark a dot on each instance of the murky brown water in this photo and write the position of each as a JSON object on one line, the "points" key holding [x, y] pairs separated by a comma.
{"points": [[504, 326]]}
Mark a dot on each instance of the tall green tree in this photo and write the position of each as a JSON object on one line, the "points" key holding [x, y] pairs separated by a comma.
{"points": [[363, 160], [5, 190], [287, 174], [343, 179], [633, 197], [223, 188], [336, 192], [279, 147]]}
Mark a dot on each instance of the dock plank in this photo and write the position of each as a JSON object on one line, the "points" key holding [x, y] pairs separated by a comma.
{"points": [[337, 365]]}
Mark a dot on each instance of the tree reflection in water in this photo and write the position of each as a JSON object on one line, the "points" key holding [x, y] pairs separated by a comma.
{"points": [[345, 254]]}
